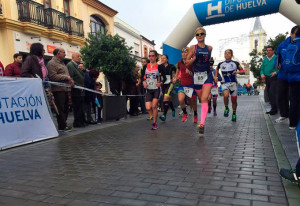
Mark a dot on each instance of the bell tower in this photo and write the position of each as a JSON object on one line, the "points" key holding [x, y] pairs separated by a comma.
{"points": [[257, 36]]}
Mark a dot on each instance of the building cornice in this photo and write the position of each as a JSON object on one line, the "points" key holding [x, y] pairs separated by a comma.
{"points": [[41, 31], [124, 28], [147, 40], [258, 32], [101, 7]]}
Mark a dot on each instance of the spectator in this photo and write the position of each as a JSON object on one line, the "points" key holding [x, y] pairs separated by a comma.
{"points": [[58, 72], [34, 63], [291, 63], [77, 95], [1, 69], [283, 85], [98, 103], [14, 69], [134, 82], [248, 87], [82, 67], [268, 74], [130, 87], [145, 61], [255, 89], [89, 81], [141, 90]]}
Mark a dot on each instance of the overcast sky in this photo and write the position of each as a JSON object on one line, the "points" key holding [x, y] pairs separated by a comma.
{"points": [[155, 19]]}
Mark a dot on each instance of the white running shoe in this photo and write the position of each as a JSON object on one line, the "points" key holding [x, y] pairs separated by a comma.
{"points": [[292, 128], [280, 119]]}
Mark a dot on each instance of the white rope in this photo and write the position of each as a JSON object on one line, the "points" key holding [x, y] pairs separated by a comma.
{"points": [[86, 89]]}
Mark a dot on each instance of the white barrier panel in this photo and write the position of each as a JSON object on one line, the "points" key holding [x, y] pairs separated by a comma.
{"points": [[24, 116]]}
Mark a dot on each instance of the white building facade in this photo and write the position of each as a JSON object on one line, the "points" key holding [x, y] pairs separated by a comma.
{"points": [[139, 43], [131, 36], [146, 46]]}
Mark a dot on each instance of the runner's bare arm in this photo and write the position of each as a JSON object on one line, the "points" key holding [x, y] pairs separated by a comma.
{"points": [[191, 57], [217, 73], [142, 77]]}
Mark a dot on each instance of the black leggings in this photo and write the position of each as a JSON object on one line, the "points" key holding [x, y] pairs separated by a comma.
{"points": [[152, 94]]}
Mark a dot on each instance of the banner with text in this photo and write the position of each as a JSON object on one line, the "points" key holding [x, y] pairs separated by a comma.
{"points": [[220, 11], [24, 115]]}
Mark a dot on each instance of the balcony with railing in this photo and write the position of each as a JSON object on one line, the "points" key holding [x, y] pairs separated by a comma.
{"points": [[55, 20], [30, 11], [74, 26], [33, 12]]}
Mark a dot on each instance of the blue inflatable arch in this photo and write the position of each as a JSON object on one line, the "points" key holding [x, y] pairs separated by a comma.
{"points": [[210, 12]]}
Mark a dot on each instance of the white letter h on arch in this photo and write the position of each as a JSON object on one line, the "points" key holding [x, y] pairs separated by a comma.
{"points": [[211, 8]]}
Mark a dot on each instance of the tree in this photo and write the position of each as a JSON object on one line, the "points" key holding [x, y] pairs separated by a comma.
{"points": [[255, 64], [257, 57], [110, 55]]}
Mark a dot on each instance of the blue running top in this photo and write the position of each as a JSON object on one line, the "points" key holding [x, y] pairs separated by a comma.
{"points": [[201, 63]]}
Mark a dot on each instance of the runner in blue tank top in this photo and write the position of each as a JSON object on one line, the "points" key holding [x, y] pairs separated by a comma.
{"points": [[198, 57]]}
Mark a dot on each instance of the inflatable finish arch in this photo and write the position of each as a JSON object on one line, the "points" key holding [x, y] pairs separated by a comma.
{"points": [[211, 12]]}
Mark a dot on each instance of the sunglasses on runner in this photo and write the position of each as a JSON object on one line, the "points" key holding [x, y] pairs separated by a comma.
{"points": [[200, 34], [151, 55]]}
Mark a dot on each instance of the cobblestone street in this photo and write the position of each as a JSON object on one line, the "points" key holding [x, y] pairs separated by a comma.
{"points": [[128, 164]]}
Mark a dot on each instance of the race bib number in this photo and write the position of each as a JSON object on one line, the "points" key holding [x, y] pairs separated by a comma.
{"points": [[168, 81], [151, 83], [188, 91], [200, 78], [214, 90]]}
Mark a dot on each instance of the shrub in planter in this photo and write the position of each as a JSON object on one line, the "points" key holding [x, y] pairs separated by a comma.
{"points": [[110, 55]]}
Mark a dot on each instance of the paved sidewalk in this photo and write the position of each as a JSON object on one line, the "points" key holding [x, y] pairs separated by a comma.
{"points": [[285, 148], [128, 164], [287, 137]]}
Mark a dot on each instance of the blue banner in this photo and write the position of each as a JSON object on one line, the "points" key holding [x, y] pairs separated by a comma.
{"points": [[173, 53], [219, 11]]}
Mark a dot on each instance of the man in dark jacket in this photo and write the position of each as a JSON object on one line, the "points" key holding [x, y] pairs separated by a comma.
{"points": [[130, 87], [77, 94], [14, 69], [291, 64], [282, 82], [58, 72]]}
